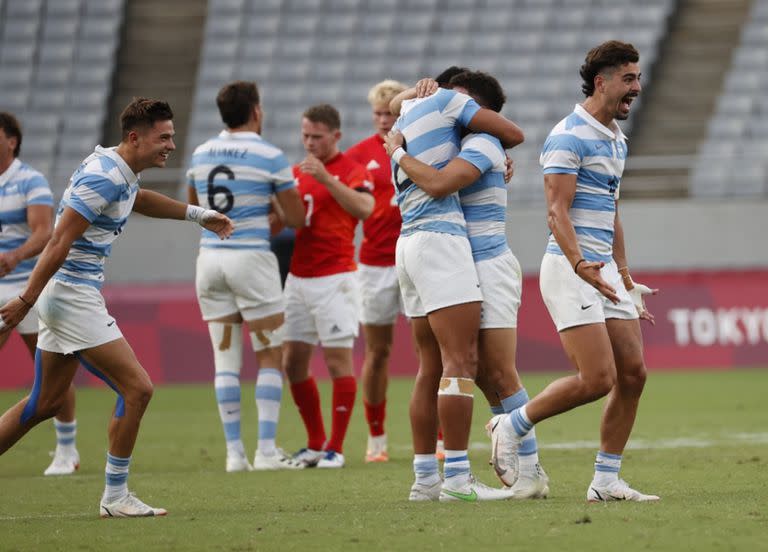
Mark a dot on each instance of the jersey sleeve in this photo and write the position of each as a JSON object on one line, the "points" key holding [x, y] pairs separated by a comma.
{"points": [[191, 177], [36, 191], [282, 174], [91, 194], [561, 154], [482, 153], [459, 108]]}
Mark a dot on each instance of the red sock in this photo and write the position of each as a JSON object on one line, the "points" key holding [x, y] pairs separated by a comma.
{"points": [[439, 434], [375, 413], [344, 391], [307, 399]]}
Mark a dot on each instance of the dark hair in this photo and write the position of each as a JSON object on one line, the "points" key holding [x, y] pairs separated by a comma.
{"points": [[609, 54], [324, 113], [484, 88], [236, 101], [12, 129], [143, 112], [444, 78]]}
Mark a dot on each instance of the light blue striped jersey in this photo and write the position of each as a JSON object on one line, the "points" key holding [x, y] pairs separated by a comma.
{"points": [[581, 145], [102, 190], [432, 130], [20, 186], [484, 202], [236, 173]]}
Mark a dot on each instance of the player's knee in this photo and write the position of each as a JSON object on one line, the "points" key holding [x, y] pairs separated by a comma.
{"points": [[140, 394], [379, 353], [599, 385], [633, 380], [461, 363], [48, 407]]}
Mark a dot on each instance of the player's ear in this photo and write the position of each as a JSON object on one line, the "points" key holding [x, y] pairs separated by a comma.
{"points": [[337, 134]]}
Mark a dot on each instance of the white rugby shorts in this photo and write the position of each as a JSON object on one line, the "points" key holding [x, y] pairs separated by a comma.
{"points": [[12, 291], [73, 317], [380, 294], [229, 281], [324, 309], [435, 270], [501, 281], [573, 302]]}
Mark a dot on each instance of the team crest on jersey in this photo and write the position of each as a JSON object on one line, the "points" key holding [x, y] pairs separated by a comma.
{"points": [[372, 165]]}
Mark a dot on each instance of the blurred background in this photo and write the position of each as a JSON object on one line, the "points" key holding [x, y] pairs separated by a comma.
{"points": [[694, 194]]}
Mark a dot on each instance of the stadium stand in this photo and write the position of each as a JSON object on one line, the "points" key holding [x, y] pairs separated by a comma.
{"points": [[732, 160], [337, 49], [56, 61]]}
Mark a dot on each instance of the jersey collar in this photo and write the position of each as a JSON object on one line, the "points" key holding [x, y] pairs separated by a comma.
{"points": [[10, 172], [125, 170], [240, 134], [614, 132]]}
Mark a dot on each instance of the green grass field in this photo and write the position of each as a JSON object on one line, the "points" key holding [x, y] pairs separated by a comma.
{"points": [[701, 441]]}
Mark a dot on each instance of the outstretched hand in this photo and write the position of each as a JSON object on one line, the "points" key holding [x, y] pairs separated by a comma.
{"points": [[217, 223], [636, 293], [12, 313]]}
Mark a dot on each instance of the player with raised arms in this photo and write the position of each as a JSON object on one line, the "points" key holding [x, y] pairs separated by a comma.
{"points": [[66, 281]]}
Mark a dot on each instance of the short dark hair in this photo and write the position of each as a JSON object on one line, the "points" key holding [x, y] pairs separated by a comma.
{"points": [[324, 113], [12, 129], [444, 78], [143, 112], [609, 54], [484, 88], [236, 101]]}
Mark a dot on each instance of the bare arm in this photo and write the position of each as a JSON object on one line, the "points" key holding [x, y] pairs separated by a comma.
{"points": [[290, 208], [40, 221], [152, 204], [436, 182], [192, 196], [358, 204], [619, 252], [396, 104], [508, 133], [560, 190]]}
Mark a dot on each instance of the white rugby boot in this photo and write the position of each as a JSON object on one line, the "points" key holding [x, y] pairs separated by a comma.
{"points": [[129, 506], [309, 457], [617, 490], [237, 462], [332, 459], [531, 484], [277, 461], [64, 462], [505, 443], [425, 493], [474, 491]]}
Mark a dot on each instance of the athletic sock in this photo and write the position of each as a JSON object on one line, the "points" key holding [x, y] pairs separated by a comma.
{"points": [[116, 478], [344, 392], [374, 414], [456, 468], [520, 422], [607, 468], [269, 392], [529, 449], [307, 399], [227, 341], [425, 469], [497, 409], [65, 436]]}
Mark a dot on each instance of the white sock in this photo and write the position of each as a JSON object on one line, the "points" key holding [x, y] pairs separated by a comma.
{"points": [[456, 468], [117, 478], [65, 436], [607, 468], [425, 469], [269, 392]]}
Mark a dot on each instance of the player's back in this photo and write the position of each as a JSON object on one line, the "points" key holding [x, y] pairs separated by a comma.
{"points": [[102, 190], [236, 174], [581, 145], [20, 187], [484, 202], [431, 127]]}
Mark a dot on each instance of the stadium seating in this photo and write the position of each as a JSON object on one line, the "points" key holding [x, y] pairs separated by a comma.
{"points": [[57, 58], [732, 160], [337, 49]]}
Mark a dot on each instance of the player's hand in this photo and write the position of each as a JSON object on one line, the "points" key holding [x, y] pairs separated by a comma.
{"points": [[8, 262], [315, 168], [393, 140], [590, 272], [217, 223], [426, 87], [509, 171], [12, 313], [636, 293]]}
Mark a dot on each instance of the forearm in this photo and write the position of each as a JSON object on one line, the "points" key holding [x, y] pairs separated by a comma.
{"points": [[53, 256], [156, 205], [396, 104], [33, 246], [358, 204], [619, 251], [565, 235], [425, 177]]}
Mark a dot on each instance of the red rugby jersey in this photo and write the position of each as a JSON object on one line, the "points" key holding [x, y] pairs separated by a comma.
{"points": [[326, 246], [381, 229]]}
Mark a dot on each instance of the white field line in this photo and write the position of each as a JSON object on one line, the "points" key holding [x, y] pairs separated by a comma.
{"points": [[35, 517]]}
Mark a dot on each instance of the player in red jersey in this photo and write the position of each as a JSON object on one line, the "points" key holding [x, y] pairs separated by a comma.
{"points": [[379, 289], [321, 293]]}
